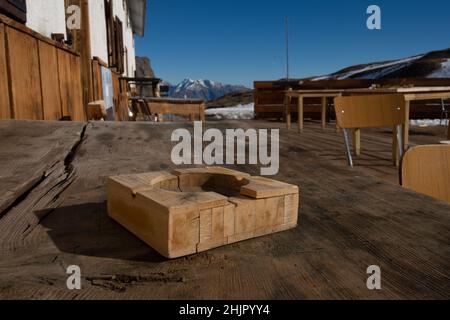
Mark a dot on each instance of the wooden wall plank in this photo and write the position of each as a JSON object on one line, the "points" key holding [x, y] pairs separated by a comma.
{"points": [[25, 75], [97, 85], [64, 82], [5, 107], [51, 96], [71, 86], [76, 96]]}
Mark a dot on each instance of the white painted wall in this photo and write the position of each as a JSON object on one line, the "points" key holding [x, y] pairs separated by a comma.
{"points": [[46, 16], [97, 22], [99, 38]]}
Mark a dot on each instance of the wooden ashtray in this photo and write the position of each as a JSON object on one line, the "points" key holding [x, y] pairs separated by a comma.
{"points": [[194, 210]]}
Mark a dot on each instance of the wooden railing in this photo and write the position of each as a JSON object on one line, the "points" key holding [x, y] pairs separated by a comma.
{"points": [[40, 79]]}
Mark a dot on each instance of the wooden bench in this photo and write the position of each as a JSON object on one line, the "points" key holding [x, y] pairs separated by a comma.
{"points": [[371, 111], [426, 169], [194, 109]]}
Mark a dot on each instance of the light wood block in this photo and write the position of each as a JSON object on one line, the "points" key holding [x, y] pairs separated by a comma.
{"points": [[96, 110], [194, 210]]}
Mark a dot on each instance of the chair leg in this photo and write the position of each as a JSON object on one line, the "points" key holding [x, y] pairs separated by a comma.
{"points": [[400, 142], [347, 148]]}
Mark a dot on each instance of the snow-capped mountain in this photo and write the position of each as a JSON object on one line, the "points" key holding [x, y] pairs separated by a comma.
{"points": [[435, 64], [203, 89]]}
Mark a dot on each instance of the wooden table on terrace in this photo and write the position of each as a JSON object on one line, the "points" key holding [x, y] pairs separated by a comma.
{"points": [[348, 221], [411, 94], [192, 108]]}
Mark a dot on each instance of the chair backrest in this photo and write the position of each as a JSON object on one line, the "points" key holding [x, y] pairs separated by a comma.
{"points": [[426, 169], [370, 111]]}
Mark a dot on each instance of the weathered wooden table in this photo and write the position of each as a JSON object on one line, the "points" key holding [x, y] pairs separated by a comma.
{"points": [[301, 95], [411, 94], [53, 215]]}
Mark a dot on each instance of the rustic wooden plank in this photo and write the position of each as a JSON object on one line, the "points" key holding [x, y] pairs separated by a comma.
{"points": [[25, 75], [76, 96], [31, 33], [64, 83], [97, 80], [51, 97], [348, 221], [27, 151], [5, 105]]}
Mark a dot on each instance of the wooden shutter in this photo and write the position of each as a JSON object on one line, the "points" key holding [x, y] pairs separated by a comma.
{"points": [[110, 31], [119, 46]]}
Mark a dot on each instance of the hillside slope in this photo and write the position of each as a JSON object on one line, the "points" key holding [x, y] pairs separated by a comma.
{"points": [[435, 64]]}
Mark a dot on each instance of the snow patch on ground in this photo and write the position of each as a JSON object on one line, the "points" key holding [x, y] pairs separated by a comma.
{"points": [[373, 71], [429, 123], [239, 112], [444, 72]]}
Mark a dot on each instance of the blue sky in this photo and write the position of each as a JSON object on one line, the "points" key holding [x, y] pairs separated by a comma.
{"points": [[238, 41]]}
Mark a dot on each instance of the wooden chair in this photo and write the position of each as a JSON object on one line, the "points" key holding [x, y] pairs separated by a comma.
{"points": [[140, 110], [371, 111], [426, 169]]}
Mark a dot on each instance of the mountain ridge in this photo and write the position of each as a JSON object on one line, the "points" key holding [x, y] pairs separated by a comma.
{"points": [[434, 64], [203, 89]]}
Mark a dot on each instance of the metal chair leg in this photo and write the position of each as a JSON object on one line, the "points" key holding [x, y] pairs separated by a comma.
{"points": [[347, 148], [400, 142]]}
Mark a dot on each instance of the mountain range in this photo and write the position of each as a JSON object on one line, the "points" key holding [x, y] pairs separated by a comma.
{"points": [[203, 89]]}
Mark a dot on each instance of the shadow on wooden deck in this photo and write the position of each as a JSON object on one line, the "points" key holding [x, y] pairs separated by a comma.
{"points": [[87, 230]]}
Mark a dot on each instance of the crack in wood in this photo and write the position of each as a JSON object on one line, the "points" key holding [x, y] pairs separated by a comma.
{"points": [[41, 199]]}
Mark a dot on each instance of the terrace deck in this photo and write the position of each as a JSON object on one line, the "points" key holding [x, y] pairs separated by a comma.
{"points": [[53, 215]]}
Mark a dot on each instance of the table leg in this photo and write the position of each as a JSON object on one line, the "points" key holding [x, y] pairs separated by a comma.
{"points": [[337, 125], [300, 114], [202, 112], [405, 126], [324, 112], [395, 150], [357, 141], [287, 111]]}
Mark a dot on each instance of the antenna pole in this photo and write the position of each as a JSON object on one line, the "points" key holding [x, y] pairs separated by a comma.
{"points": [[287, 48]]}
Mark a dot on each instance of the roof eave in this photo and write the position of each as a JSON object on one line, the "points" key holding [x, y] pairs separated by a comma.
{"points": [[138, 13]]}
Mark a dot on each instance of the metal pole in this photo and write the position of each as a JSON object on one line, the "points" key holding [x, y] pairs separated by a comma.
{"points": [[287, 49], [347, 148]]}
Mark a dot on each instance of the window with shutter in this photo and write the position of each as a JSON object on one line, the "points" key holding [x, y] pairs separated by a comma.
{"points": [[119, 46], [116, 50]]}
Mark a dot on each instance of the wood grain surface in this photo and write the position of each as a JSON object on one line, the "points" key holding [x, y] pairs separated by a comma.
{"points": [[349, 219]]}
